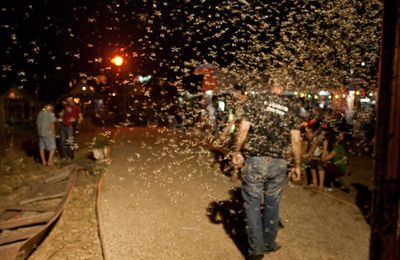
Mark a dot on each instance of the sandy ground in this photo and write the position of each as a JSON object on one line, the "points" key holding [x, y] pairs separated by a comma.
{"points": [[164, 197]]}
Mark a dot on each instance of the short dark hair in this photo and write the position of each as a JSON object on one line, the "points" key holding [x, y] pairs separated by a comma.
{"points": [[240, 87]]}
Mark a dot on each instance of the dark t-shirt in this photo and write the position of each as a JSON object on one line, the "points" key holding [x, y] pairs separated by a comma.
{"points": [[271, 117]]}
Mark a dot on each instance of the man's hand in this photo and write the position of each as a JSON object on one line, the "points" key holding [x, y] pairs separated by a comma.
{"points": [[237, 159], [295, 174]]}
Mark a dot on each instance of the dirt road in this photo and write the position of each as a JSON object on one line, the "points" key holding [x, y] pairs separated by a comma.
{"points": [[164, 197]]}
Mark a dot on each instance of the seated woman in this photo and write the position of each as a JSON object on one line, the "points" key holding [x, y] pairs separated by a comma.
{"points": [[334, 158]]}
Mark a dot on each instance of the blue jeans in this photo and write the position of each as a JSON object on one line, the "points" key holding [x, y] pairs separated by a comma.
{"points": [[66, 140], [263, 180]]}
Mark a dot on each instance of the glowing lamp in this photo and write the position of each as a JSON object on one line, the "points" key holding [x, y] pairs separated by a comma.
{"points": [[117, 60]]}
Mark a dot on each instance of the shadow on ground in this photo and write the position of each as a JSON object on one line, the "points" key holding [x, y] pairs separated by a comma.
{"points": [[230, 214], [31, 149], [363, 200], [221, 159]]}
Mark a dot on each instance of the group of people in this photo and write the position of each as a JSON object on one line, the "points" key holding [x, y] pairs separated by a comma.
{"points": [[69, 118], [325, 158]]}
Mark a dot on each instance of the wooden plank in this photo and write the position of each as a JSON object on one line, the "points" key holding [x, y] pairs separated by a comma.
{"points": [[30, 244], [44, 189], [31, 208], [9, 214], [20, 234], [46, 197], [58, 177], [25, 221], [10, 252], [22, 249], [64, 173]]}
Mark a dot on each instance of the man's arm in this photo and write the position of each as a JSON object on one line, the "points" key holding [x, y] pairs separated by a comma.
{"points": [[53, 124], [295, 137], [243, 130], [237, 157]]}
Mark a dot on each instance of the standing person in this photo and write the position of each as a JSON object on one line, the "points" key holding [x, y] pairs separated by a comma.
{"points": [[267, 132], [71, 117], [45, 123], [313, 156]]}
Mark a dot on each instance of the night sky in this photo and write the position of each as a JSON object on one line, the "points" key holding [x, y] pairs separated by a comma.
{"points": [[45, 44]]}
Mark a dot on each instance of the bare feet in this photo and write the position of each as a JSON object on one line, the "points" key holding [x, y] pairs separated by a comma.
{"points": [[314, 190]]}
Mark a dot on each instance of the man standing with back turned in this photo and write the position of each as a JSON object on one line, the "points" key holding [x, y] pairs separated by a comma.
{"points": [[45, 121], [267, 142]]}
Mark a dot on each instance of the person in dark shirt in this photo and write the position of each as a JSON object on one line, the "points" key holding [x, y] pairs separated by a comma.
{"points": [[71, 116], [267, 142]]}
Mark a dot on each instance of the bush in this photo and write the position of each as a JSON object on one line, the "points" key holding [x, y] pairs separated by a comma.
{"points": [[102, 140]]}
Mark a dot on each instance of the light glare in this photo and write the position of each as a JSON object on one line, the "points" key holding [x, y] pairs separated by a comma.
{"points": [[117, 60]]}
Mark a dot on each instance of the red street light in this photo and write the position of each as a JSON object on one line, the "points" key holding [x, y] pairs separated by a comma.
{"points": [[117, 60]]}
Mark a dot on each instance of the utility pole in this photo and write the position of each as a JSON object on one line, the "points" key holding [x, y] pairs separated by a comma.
{"points": [[385, 242]]}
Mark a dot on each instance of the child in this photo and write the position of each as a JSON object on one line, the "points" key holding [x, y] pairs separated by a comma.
{"points": [[313, 156]]}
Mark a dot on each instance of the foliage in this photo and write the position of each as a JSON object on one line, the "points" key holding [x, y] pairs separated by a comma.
{"points": [[102, 140]]}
